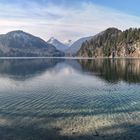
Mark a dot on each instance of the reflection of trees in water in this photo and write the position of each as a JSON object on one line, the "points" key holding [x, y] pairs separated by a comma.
{"points": [[114, 70], [111, 70], [25, 68]]}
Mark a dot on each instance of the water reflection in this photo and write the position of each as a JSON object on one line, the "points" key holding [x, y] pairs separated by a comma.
{"points": [[114, 70], [111, 70], [22, 69], [63, 99]]}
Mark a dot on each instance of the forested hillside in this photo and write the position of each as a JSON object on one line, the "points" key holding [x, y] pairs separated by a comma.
{"points": [[113, 43]]}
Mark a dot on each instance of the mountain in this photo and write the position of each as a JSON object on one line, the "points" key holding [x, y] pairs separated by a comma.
{"points": [[113, 43], [68, 43], [21, 44], [60, 46], [75, 47]]}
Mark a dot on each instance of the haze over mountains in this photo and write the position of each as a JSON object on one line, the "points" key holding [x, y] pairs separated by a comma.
{"points": [[60, 46], [70, 49], [109, 43], [75, 47]]}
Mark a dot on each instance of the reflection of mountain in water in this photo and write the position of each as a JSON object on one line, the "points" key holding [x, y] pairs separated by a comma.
{"points": [[25, 68], [114, 70], [108, 69]]}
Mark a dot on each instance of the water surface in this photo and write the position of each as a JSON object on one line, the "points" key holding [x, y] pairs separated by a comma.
{"points": [[50, 99]]}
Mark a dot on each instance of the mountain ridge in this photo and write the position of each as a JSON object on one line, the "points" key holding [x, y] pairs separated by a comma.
{"points": [[21, 44], [113, 43], [75, 46], [59, 45], [109, 43]]}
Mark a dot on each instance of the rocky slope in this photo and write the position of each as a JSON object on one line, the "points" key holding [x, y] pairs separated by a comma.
{"points": [[21, 44], [113, 43]]}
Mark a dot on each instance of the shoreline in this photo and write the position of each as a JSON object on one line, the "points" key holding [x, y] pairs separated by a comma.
{"points": [[72, 58]]}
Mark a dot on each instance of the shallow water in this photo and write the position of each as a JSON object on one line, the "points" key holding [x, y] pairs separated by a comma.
{"points": [[50, 99]]}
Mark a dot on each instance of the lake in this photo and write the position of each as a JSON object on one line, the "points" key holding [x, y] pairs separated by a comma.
{"points": [[60, 99]]}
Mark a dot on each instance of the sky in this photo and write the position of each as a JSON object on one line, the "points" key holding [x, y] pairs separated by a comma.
{"points": [[67, 19]]}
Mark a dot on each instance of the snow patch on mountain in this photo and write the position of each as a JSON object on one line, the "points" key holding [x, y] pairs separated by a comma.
{"points": [[60, 46]]}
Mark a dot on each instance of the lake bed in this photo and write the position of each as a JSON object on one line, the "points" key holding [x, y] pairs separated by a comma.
{"points": [[69, 99]]}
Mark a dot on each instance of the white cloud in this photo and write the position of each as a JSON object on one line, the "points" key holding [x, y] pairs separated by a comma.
{"points": [[63, 22]]}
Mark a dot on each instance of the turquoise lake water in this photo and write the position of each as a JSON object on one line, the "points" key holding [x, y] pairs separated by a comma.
{"points": [[50, 99]]}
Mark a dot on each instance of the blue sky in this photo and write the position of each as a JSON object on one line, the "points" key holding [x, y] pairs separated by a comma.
{"points": [[67, 19]]}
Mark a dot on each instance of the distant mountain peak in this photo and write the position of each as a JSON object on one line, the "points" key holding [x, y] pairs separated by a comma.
{"points": [[68, 42], [19, 43], [75, 46], [59, 45], [19, 34], [16, 32], [52, 40]]}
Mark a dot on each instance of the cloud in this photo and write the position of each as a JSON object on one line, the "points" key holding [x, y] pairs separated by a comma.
{"points": [[63, 21]]}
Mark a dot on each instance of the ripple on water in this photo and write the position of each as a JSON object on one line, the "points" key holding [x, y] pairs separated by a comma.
{"points": [[91, 107]]}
